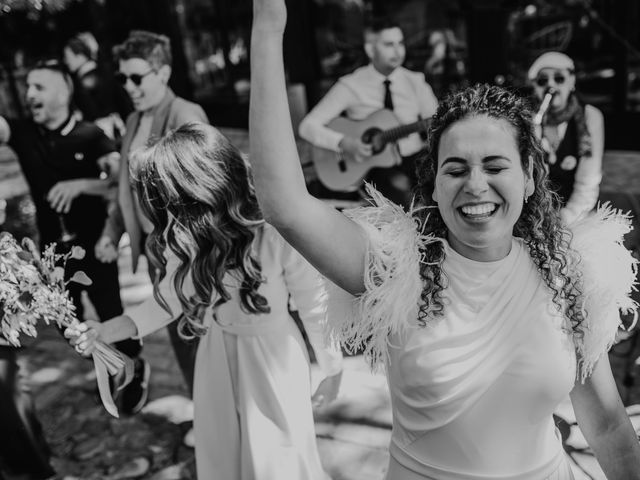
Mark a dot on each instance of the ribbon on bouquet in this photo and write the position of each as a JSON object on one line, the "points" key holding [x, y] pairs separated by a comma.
{"points": [[108, 362]]}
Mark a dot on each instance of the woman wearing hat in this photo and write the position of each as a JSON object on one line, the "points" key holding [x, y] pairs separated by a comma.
{"points": [[572, 134]]}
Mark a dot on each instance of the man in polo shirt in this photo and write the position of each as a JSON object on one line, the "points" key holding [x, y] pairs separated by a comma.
{"points": [[144, 64], [61, 159]]}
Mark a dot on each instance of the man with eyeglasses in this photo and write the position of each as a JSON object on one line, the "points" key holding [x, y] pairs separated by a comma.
{"points": [[572, 134], [61, 159], [144, 62]]}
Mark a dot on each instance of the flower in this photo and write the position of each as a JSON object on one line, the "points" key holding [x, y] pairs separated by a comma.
{"points": [[77, 253], [32, 287]]}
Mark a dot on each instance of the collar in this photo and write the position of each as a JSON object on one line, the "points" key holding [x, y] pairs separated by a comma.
{"points": [[64, 129], [86, 68], [377, 75]]}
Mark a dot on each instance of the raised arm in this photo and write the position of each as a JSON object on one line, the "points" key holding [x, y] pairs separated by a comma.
{"points": [[335, 245]]}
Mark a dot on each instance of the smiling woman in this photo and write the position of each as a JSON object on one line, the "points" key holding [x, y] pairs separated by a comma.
{"points": [[480, 186], [484, 308]]}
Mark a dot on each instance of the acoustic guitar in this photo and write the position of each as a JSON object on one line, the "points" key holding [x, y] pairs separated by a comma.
{"points": [[340, 171]]}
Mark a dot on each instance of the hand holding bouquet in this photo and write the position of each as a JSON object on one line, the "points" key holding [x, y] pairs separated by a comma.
{"points": [[33, 289]]}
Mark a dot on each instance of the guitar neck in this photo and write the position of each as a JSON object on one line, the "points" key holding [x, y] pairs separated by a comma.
{"points": [[397, 133]]}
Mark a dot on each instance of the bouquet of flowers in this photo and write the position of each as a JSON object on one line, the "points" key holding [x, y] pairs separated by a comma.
{"points": [[33, 289]]}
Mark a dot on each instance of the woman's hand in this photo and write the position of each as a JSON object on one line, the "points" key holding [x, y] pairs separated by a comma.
{"points": [[327, 391], [83, 337], [269, 15]]}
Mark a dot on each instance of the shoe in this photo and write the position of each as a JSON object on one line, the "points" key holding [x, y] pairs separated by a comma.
{"points": [[134, 396]]}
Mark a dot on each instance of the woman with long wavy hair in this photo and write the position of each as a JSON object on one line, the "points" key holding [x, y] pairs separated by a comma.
{"points": [[482, 305], [228, 277]]}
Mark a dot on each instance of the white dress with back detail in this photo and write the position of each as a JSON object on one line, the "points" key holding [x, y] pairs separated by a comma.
{"points": [[252, 391], [473, 391]]}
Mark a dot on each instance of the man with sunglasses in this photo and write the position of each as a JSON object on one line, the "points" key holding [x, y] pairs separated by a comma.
{"points": [[61, 159], [144, 62], [571, 132]]}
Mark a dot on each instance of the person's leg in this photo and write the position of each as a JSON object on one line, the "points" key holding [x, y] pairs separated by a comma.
{"points": [[24, 452]]}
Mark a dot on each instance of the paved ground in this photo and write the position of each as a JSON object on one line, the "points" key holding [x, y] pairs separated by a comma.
{"points": [[353, 434]]}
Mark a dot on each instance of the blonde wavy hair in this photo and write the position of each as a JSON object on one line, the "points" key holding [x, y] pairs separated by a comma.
{"points": [[194, 186]]}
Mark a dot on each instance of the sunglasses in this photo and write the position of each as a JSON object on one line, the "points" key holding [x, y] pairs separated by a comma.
{"points": [[136, 78], [543, 80]]}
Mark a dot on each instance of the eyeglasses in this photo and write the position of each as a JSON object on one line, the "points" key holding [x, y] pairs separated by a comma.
{"points": [[136, 78], [543, 80]]}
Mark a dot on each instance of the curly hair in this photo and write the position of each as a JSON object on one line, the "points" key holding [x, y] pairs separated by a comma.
{"points": [[539, 225], [195, 188]]}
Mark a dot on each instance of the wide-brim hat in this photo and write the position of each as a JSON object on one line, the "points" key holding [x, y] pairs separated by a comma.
{"points": [[555, 60]]}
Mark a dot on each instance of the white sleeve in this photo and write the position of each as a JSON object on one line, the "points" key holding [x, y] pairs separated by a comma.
{"points": [[607, 273], [149, 316], [393, 286], [308, 294], [313, 127], [586, 187]]}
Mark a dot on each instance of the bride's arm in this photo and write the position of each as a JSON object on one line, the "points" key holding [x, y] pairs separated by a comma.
{"points": [[335, 245]]}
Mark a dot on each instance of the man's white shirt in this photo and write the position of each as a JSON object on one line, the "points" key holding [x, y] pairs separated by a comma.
{"points": [[361, 93]]}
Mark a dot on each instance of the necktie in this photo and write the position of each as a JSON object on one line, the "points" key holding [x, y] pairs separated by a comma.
{"points": [[388, 101]]}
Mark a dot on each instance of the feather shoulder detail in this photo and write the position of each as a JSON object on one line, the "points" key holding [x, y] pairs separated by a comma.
{"points": [[393, 286], [608, 276]]}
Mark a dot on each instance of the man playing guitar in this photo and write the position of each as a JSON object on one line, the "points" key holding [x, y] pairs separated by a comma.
{"points": [[384, 83]]}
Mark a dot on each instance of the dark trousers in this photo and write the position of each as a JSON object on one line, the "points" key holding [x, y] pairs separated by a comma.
{"points": [[24, 453], [397, 183], [104, 293], [185, 351]]}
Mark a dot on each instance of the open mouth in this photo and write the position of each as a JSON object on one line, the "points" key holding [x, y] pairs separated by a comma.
{"points": [[478, 211], [35, 107]]}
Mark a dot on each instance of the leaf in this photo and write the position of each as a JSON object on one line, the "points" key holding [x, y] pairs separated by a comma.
{"points": [[77, 253], [81, 278], [25, 256]]}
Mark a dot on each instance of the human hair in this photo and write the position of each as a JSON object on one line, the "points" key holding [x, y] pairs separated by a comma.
{"points": [[83, 43], [378, 24], [149, 46], [194, 186], [58, 67], [539, 225]]}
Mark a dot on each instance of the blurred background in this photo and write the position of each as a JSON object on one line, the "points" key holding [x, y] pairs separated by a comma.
{"points": [[486, 41], [455, 43]]}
